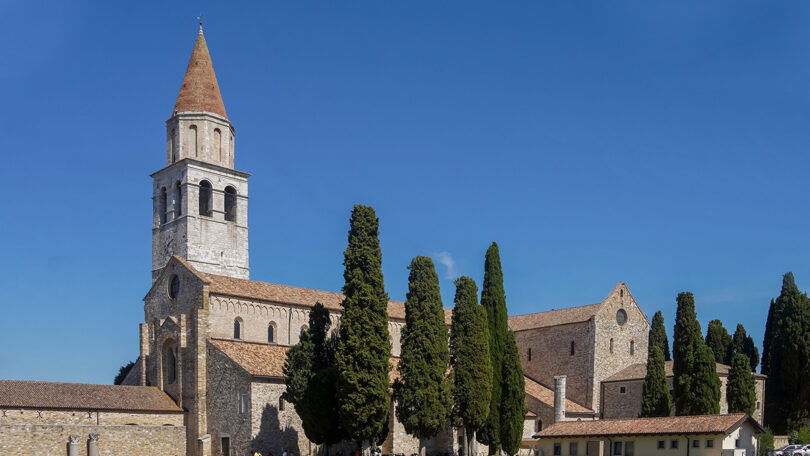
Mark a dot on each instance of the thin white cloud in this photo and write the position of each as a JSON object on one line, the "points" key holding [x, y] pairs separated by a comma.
{"points": [[446, 260]]}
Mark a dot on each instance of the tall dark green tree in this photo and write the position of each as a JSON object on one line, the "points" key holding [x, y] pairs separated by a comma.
{"points": [[310, 375], [513, 399], [686, 341], [705, 384], [122, 373], [423, 389], [655, 400], [471, 363], [364, 347], [719, 340], [493, 298], [741, 393], [787, 393], [766, 341], [751, 351], [658, 335]]}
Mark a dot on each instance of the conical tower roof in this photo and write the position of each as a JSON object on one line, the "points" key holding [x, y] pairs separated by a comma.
{"points": [[200, 91]]}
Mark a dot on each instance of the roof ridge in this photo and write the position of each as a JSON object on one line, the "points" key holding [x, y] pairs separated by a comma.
{"points": [[555, 310]]}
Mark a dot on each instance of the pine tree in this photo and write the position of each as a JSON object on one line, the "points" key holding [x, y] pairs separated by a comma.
{"points": [[493, 298], [741, 394], [423, 390], [787, 395], [658, 335], [471, 363], [706, 384], [686, 341], [719, 340], [766, 341], [364, 347], [513, 399], [655, 400]]}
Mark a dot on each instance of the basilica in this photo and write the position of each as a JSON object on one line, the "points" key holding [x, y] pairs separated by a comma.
{"points": [[208, 378]]}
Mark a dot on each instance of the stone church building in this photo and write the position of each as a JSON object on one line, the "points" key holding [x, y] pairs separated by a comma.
{"points": [[213, 341]]}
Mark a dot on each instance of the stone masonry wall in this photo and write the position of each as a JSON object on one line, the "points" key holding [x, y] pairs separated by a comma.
{"points": [[52, 439], [88, 417], [551, 356], [273, 428], [225, 382], [634, 332]]}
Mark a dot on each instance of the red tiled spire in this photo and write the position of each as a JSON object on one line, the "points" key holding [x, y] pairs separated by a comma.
{"points": [[200, 91]]}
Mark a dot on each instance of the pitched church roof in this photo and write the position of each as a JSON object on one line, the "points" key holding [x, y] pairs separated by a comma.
{"points": [[200, 91], [553, 317], [639, 371], [546, 396], [265, 291], [82, 396]]}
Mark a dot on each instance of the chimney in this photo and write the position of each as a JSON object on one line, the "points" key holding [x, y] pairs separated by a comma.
{"points": [[559, 398]]}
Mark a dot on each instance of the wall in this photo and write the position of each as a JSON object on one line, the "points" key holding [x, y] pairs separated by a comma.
{"points": [[642, 445], [272, 429], [748, 439], [551, 357], [635, 329], [52, 440], [618, 405], [89, 417], [225, 380]]}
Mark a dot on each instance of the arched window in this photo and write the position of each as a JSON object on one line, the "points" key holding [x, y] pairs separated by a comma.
{"points": [[230, 204], [611, 345], [192, 139], [169, 363], [632, 347], [572, 348], [237, 329], [205, 198], [173, 145], [244, 401], [271, 334], [178, 200], [162, 202], [218, 143], [538, 425]]}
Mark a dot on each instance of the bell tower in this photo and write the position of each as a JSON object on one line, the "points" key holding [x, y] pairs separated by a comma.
{"points": [[199, 199]]}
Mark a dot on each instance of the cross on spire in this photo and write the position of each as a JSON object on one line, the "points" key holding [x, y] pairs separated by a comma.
{"points": [[200, 19]]}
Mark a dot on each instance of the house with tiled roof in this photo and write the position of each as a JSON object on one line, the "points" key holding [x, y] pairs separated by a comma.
{"points": [[705, 435]]}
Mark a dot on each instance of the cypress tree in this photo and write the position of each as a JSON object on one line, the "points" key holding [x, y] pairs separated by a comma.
{"points": [[469, 357], [719, 340], [658, 336], [364, 347], [741, 394], [766, 341], [655, 400], [686, 341], [737, 344], [706, 384], [493, 298], [787, 395], [513, 399], [309, 376], [751, 351], [423, 390]]}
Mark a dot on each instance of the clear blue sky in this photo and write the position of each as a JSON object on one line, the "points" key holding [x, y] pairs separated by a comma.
{"points": [[664, 144]]}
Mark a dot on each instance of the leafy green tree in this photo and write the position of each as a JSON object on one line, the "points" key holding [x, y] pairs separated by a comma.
{"points": [[799, 435], [471, 363], [719, 340], [658, 336], [655, 400], [123, 371], [310, 376], [493, 298], [364, 347], [787, 395], [513, 399], [706, 384], [423, 390], [686, 341], [766, 341], [741, 394], [765, 443]]}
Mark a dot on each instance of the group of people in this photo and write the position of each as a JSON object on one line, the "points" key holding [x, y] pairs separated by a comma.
{"points": [[270, 453]]}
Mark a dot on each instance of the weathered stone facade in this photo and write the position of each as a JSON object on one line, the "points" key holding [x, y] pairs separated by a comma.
{"points": [[112, 440]]}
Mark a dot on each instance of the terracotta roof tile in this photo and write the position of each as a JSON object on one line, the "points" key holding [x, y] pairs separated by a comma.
{"points": [[553, 317], [200, 90], [258, 359], [546, 396], [286, 294], [671, 425], [639, 371], [82, 396]]}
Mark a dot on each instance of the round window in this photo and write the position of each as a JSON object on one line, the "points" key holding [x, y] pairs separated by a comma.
{"points": [[174, 287], [621, 317]]}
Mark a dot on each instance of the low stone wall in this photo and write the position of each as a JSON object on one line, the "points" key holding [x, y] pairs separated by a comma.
{"points": [[54, 440]]}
